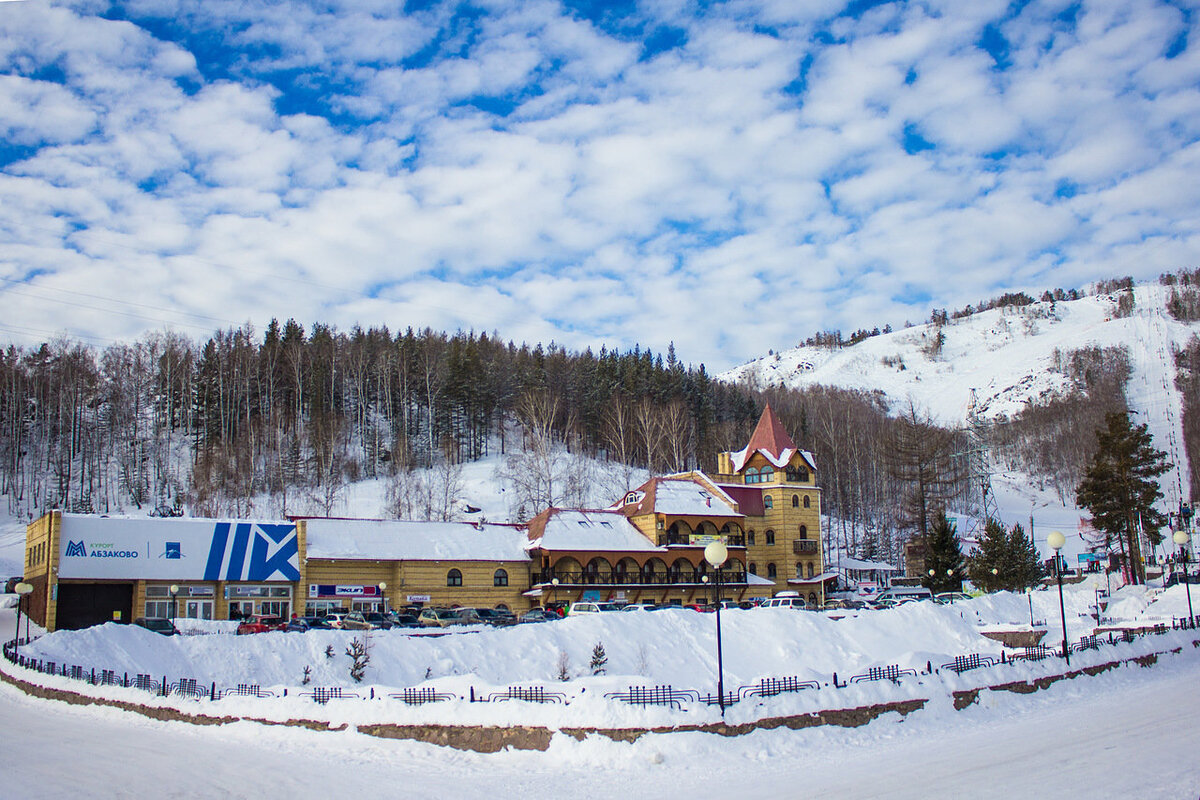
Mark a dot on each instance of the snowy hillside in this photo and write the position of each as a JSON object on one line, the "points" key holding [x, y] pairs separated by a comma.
{"points": [[1005, 357]]}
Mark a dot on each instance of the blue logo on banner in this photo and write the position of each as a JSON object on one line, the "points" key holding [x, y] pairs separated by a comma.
{"points": [[76, 550], [273, 550], [173, 550]]}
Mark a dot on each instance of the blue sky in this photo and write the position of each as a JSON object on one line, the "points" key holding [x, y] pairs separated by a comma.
{"points": [[731, 176]]}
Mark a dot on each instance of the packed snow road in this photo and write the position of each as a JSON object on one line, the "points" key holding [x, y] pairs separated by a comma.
{"points": [[1127, 733]]}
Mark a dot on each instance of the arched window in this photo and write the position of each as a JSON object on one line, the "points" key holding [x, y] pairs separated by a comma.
{"points": [[810, 569], [771, 571], [812, 599], [501, 607], [766, 474], [770, 537], [803, 531], [753, 568], [796, 500], [801, 473], [454, 578], [806, 502], [500, 578], [768, 502], [799, 569], [752, 475], [750, 538]]}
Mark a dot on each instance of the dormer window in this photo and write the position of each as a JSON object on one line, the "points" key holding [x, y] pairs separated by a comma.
{"points": [[751, 475]]}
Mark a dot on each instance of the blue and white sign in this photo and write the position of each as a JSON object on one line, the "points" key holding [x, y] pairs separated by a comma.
{"points": [[178, 549]]}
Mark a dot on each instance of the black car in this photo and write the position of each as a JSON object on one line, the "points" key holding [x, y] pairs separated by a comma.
{"points": [[539, 615], [496, 617], [158, 625], [404, 620], [379, 620]]}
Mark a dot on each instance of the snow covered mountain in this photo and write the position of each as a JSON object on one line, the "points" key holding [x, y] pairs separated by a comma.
{"points": [[1005, 357]]}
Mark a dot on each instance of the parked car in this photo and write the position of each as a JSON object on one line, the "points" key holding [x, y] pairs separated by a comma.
{"points": [[946, 598], [158, 625], [378, 619], [539, 615], [905, 593], [335, 620], [590, 607], [297, 625], [316, 623], [786, 600], [438, 617], [404, 620], [467, 616], [496, 617], [639, 607], [355, 621], [260, 623]]}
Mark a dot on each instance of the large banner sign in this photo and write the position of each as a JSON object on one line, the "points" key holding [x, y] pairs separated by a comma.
{"points": [[183, 549]]}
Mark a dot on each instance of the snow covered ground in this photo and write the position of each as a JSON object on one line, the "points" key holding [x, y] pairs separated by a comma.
{"points": [[1124, 733]]}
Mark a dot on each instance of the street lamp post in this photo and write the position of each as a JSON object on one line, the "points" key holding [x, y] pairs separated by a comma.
{"points": [[383, 597], [1181, 538], [22, 589], [1056, 541], [715, 554], [554, 592], [174, 606]]}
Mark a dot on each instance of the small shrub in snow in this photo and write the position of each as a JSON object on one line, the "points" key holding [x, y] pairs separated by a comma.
{"points": [[307, 676], [599, 659], [329, 651], [564, 666], [359, 651]]}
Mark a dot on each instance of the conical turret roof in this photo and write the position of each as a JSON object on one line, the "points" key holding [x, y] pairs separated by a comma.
{"points": [[770, 436]]}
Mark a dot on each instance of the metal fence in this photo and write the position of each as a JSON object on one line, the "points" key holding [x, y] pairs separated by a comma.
{"points": [[644, 696]]}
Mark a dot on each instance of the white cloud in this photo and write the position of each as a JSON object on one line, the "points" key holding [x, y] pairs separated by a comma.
{"points": [[330, 164]]}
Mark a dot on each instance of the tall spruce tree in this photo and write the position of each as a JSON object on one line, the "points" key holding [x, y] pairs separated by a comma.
{"points": [[943, 556], [1004, 560], [1119, 489]]}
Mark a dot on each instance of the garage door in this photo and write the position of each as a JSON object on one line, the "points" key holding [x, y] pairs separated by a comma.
{"points": [[81, 605]]}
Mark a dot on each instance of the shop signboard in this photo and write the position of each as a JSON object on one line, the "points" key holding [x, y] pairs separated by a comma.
{"points": [[341, 590], [178, 549]]}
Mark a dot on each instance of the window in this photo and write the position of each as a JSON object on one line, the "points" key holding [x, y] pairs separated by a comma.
{"points": [[750, 538], [799, 570], [803, 531], [277, 608], [810, 569], [766, 474], [454, 578], [768, 502], [771, 571], [753, 568], [770, 537], [158, 608], [812, 599], [806, 502], [752, 475], [500, 578], [796, 501]]}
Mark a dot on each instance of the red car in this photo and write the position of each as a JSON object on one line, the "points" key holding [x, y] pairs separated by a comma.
{"points": [[261, 623]]}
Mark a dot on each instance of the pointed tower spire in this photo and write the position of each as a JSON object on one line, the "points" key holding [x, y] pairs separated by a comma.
{"points": [[770, 435]]}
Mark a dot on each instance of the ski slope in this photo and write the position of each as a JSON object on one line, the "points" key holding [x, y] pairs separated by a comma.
{"points": [[1005, 356]]}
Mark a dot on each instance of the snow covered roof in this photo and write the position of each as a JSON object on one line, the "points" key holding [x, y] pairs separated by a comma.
{"points": [[401, 540], [847, 562], [691, 494], [824, 576], [569, 529]]}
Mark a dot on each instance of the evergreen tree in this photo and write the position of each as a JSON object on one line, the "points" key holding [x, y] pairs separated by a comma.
{"points": [[988, 567], [943, 557], [1004, 560], [1026, 560], [1119, 489], [599, 659]]}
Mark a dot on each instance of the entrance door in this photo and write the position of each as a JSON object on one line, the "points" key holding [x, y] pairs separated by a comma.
{"points": [[240, 609], [199, 609], [81, 605]]}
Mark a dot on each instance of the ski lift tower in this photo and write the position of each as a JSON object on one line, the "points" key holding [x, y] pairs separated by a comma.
{"points": [[977, 464]]}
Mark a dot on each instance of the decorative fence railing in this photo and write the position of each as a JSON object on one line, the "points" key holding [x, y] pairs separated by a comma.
{"points": [[661, 695]]}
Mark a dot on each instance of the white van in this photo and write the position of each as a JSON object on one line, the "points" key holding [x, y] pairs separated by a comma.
{"points": [[591, 607], [905, 593], [786, 600]]}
